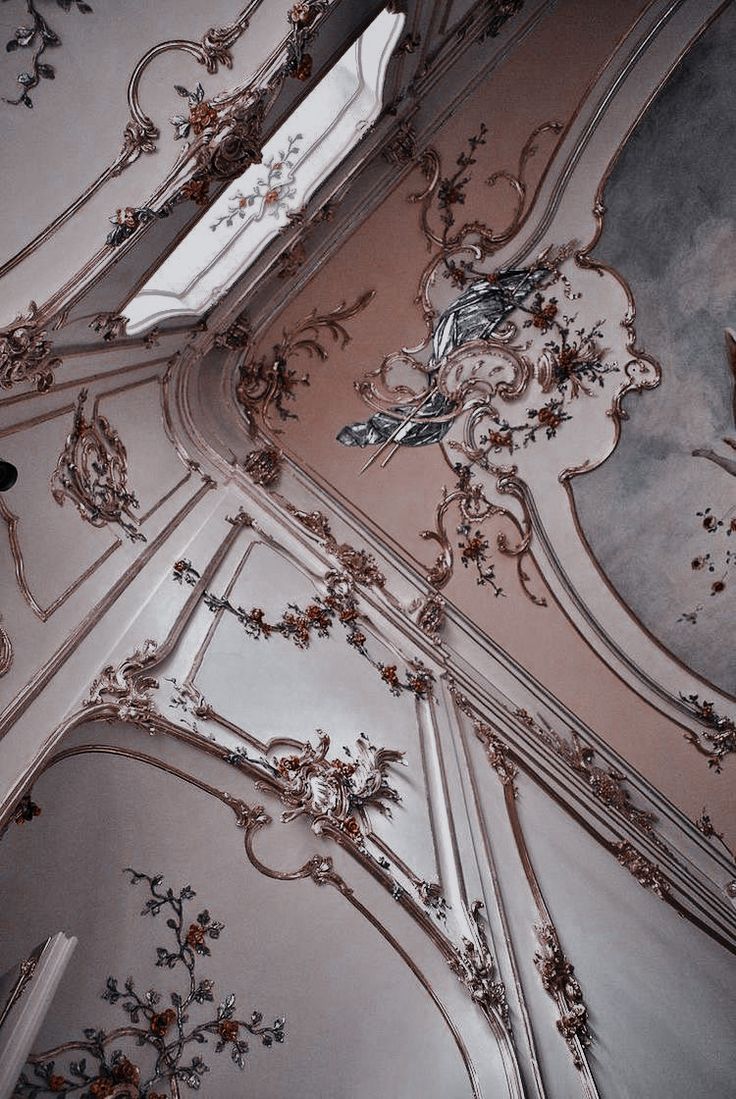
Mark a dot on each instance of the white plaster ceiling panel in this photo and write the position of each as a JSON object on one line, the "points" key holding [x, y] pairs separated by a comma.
{"points": [[658, 990], [288, 949], [281, 695]]}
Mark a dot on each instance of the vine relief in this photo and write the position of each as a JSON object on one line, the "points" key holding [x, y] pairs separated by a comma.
{"points": [[92, 472], [38, 37], [301, 625], [165, 1037]]}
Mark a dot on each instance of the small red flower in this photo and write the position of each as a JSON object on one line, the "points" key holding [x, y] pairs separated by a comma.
{"points": [[228, 1030], [303, 70], [161, 1022]]}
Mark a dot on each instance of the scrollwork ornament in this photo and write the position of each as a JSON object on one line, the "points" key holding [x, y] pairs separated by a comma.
{"points": [[125, 689], [92, 471], [559, 980], [266, 383], [474, 965], [335, 791], [26, 353], [606, 784]]}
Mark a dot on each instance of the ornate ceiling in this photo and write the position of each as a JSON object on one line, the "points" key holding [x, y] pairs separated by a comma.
{"points": [[388, 570]]}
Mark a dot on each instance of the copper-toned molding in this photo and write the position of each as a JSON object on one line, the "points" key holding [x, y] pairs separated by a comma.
{"points": [[26, 353], [92, 471], [647, 873]]}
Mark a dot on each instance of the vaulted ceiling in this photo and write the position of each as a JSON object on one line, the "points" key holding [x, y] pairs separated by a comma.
{"points": [[446, 363]]}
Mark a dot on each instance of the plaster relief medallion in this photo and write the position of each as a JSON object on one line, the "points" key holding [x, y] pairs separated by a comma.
{"points": [[92, 471]]}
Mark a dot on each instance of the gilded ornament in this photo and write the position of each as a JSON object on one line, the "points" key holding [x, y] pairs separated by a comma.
{"points": [[647, 873], [607, 784], [431, 616], [264, 466], [559, 980], [92, 471], [26, 354], [718, 731], [335, 791], [168, 1032], [124, 688], [474, 965], [359, 564]]}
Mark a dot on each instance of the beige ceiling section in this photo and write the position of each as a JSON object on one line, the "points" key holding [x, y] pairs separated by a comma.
{"points": [[387, 255]]}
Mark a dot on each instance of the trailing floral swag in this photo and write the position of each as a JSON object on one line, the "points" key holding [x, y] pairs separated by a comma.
{"points": [[38, 36], [301, 625], [164, 1033]]}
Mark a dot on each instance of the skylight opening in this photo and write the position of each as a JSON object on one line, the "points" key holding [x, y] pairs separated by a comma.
{"points": [[253, 209]]}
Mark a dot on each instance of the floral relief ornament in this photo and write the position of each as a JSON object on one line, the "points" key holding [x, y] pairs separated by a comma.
{"points": [[162, 1034], [26, 353], [335, 791], [301, 624]]}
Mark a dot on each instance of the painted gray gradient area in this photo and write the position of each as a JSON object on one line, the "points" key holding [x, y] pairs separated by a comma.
{"points": [[670, 229]]}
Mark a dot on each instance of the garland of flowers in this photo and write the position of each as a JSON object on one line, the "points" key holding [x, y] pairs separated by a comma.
{"points": [[301, 625]]}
